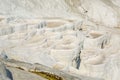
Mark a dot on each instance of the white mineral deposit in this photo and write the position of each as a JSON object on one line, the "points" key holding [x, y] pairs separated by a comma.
{"points": [[59, 39]]}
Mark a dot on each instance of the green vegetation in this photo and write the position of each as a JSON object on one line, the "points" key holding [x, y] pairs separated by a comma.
{"points": [[48, 75]]}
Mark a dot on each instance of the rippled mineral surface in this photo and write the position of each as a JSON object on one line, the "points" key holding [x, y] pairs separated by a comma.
{"points": [[59, 39]]}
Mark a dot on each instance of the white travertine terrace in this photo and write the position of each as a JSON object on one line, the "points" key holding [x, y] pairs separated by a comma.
{"points": [[81, 37], [62, 47]]}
